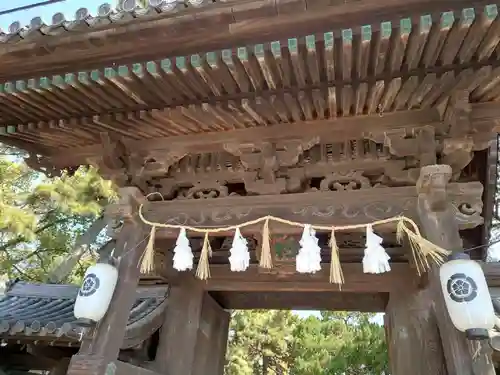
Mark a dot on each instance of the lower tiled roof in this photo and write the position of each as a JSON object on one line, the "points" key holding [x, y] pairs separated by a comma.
{"points": [[31, 312]]}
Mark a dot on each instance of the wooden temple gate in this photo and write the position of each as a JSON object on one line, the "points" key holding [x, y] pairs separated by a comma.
{"points": [[317, 111]]}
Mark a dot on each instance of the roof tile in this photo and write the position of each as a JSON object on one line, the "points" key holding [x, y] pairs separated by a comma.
{"points": [[46, 311]]}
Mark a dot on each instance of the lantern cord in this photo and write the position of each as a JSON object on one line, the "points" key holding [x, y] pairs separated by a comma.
{"points": [[479, 246]]}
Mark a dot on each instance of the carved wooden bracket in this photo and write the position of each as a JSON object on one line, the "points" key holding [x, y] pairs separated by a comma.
{"points": [[157, 163], [126, 167], [267, 158], [457, 115], [270, 155], [127, 207], [457, 153], [432, 185], [420, 144]]}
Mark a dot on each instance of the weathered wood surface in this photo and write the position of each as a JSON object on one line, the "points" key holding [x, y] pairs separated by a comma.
{"points": [[61, 367], [333, 129], [109, 334], [326, 208], [412, 335], [284, 278], [305, 300], [385, 68], [216, 26], [92, 365], [492, 273], [216, 139], [193, 338], [439, 227]]}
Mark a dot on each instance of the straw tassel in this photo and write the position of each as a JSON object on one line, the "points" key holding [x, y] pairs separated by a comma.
{"points": [[400, 230], [336, 274], [203, 269], [147, 264], [266, 260]]}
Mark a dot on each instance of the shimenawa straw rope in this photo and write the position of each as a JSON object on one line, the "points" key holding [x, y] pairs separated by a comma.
{"points": [[421, 248]]}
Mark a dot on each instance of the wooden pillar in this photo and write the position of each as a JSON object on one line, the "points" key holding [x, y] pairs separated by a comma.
{"points": [[439, 225], [193, 337], [61, 368], [412, 335], [109, 334]]}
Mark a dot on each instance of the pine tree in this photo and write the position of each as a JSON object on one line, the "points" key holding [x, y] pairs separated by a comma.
{"points": [[40, 218]]}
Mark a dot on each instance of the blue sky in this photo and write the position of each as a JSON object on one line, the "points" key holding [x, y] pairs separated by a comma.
{"points": [[68, 7]]}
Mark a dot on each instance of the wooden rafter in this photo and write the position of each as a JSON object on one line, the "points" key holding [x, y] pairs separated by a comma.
{"points": [[482, 117], [219, 26]]}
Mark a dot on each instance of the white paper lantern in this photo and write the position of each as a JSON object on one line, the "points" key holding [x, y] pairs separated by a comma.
{"points": [[94, 296], [467, 296]]}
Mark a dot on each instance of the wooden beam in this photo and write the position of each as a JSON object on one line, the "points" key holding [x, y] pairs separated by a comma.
{"points": [[206, 29], [296, 300], [284, 278], [327, 130], [483, 121], [322, 208], [81, 364]]}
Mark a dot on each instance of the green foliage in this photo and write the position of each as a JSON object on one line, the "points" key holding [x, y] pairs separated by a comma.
{"points": [[279, 342], [40, 218]]}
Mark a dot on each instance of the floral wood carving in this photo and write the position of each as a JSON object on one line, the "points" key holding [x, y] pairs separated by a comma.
{"points": [[340, 207], [204, 190], [204, 216], [268, 157], [352, 180]]}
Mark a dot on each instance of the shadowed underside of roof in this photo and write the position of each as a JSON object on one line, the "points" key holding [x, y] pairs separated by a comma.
{"points": [[408, 64], [44, 312]]}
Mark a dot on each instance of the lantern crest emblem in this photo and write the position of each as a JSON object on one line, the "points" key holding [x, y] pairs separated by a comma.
{"points": [[461, 288], [90, 285]]}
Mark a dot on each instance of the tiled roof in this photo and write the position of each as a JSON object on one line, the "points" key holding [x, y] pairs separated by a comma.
{"points": [[45, 312], [105, 15]]}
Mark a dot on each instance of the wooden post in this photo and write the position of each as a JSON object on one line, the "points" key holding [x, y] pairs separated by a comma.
{"points": [[439, 225], [193, 337], [61, 368], [412, 335], [109, 334]]}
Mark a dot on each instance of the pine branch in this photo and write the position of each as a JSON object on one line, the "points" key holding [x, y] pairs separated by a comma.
{"points": [[21, 239]]}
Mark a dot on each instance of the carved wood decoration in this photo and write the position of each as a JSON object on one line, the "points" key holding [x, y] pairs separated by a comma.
{"points": [[324, 207], [388, 158]]}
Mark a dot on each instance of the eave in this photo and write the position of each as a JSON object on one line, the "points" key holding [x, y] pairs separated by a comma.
{"points": [[95, 41], [410, 64], [44, 312]]}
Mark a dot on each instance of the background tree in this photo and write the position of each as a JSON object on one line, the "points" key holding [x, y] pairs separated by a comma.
{"points": [[260, 342], [279, 342], [41, 218]]}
